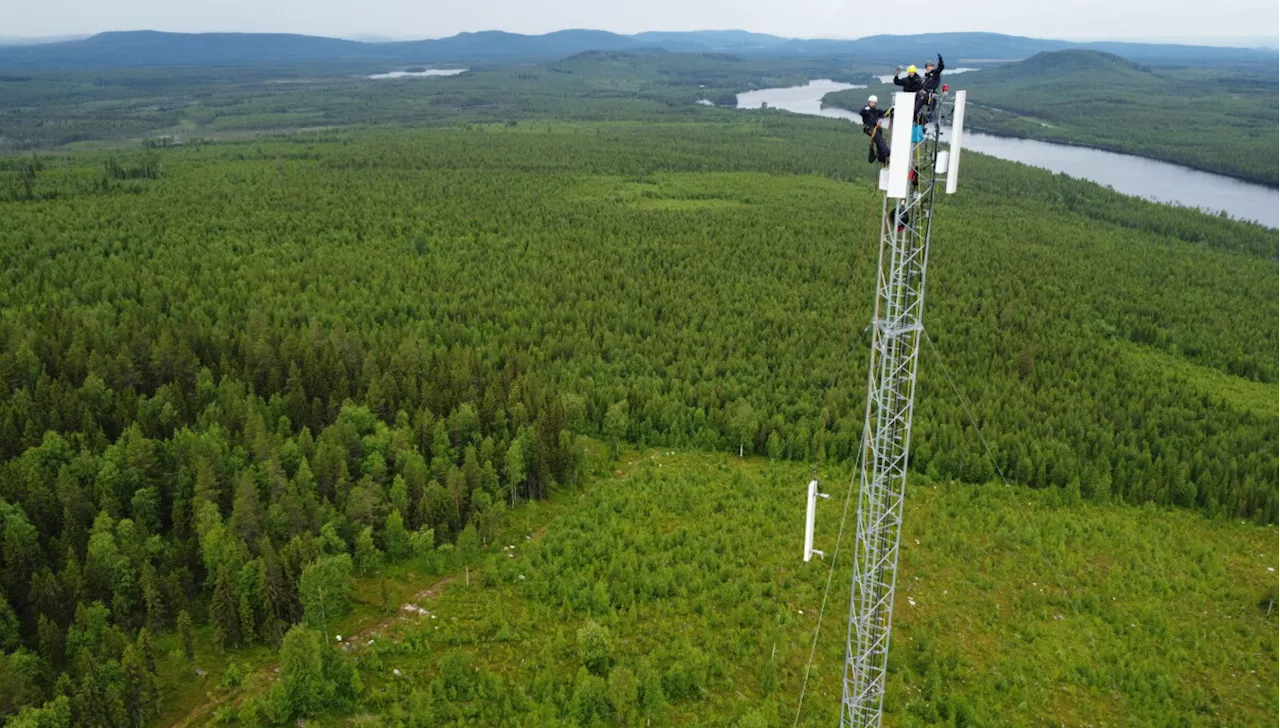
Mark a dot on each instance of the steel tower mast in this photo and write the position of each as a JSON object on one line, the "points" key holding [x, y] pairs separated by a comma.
{"points": [[905, 229]]}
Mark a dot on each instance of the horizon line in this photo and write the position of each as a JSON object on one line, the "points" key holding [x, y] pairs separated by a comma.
{"points": [[1247, 42]]}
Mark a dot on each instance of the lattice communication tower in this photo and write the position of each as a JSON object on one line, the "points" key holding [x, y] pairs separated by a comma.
{"points": [[921, 158]]}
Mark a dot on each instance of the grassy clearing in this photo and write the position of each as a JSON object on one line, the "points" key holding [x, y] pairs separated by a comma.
{"points": [[1014, 608]]}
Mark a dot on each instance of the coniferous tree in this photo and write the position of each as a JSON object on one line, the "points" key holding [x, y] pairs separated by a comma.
{"points": [[186, 635], [248, 622], [153, 599], [51, 639], [275, 596], [246, 515], [140, 694], [10, 629], [147, 648], [225, 610]]}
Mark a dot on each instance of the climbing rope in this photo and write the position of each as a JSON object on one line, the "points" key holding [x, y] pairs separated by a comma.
{"points": [[835, 554]]}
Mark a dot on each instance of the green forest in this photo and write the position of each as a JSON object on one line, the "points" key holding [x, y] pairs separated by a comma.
{"points": [[259, 393], [42, 110]]}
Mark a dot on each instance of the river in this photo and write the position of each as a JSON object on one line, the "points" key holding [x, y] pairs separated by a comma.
{"points": [[1130, 175]]}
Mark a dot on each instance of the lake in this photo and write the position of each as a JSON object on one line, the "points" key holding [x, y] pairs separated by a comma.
{"points": [[1130, 175], [419, 74]]}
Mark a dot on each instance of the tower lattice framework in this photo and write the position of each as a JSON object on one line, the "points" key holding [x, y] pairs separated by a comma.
{"points": [[896, 329]]}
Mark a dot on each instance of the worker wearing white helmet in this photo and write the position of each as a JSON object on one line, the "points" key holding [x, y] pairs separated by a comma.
{"points": [[878, 151]]}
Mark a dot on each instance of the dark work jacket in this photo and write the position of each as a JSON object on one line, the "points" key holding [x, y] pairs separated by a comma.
{"points": [[870, 117], [910, 84], [934, 77]]}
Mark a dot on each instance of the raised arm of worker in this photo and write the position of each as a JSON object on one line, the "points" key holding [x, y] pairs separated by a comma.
{"points": [[898, 80], [940, 65]]}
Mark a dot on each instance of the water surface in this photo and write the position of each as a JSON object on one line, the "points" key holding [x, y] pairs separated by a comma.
{"points": [[1138, 176], [420, 74]]}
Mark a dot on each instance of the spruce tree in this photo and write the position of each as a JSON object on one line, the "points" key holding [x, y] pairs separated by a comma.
{"points": [[226, 610], [140, 693], [186, 635], [248, 625]]}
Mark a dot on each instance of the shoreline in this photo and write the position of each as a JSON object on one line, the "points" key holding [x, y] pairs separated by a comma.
{"points": [[1102, 147]]}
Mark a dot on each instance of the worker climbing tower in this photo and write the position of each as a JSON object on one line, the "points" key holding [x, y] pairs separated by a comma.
{"points": [[918, 163], [920, 160]]}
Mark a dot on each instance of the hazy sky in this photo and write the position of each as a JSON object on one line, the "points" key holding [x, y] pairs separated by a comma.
{"points": [[1072, 19]]}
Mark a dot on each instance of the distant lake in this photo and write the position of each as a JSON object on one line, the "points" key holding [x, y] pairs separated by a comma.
{"points": [[945, 72], [1138, 176], [805, 99], [419, 74]]}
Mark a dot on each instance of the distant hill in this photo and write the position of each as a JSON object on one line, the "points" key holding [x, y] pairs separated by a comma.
{"points": [[496, 45], [1086, 83], [1072, 61], [154, 48], [1072, 68], [958, 47], [986, 47], [1063, 88], [1045, 82], [731, 41]]}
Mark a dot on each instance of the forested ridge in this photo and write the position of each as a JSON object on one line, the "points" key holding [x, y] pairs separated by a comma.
{"points": [[235, 374], [40, 110], [148, 48]]}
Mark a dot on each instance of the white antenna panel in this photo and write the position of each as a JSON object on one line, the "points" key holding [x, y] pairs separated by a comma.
{"points": [[957, 137], [941, 166], [884, 180], [904, 111], [810, 512]]}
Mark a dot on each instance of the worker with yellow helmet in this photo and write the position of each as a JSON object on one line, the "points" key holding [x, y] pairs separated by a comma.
{"points": [[922, 86], [911, 83]]}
